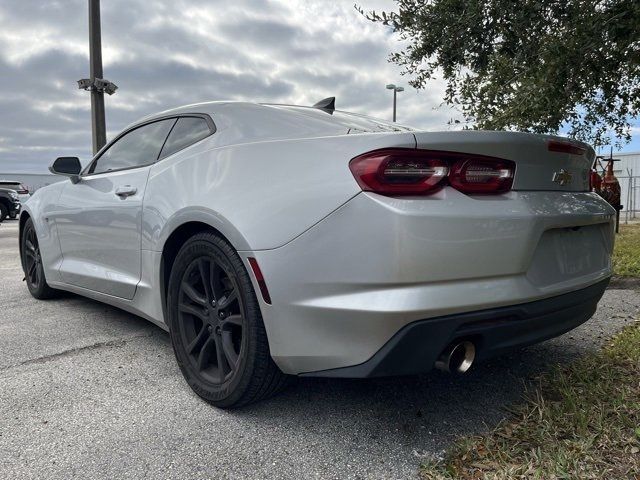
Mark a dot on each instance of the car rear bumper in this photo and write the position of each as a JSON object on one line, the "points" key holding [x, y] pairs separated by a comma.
{"points": [[342, 289], [416, 347]]}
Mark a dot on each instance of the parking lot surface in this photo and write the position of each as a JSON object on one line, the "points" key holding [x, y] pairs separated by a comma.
{"points": [[89, 391]]}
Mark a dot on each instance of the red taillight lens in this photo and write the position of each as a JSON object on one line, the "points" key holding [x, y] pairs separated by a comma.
{"points": [[482, 176], [400, 171]]}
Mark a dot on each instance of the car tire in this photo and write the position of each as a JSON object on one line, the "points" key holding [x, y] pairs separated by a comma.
{"points": [[217, 332], [32, 264], [13, 216], [4, 211]]}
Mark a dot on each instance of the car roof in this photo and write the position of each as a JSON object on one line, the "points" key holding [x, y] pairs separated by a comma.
{"points": [[244, 122]]}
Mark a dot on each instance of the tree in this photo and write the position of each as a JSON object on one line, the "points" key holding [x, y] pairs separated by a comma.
{"points": [[531, 65]]}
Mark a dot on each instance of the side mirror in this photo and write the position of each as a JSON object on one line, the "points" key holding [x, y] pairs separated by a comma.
{"points": [[67, 166]]}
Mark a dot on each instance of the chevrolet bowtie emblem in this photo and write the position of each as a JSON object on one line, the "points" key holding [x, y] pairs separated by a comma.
{"points": [[562, 177]]}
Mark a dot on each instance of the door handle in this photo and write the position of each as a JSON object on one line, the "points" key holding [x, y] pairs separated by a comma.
{"points": [[126, 191]]}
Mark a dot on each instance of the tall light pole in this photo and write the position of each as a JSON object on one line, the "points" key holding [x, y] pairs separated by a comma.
{"points": [[395, 89], [96, 84]]}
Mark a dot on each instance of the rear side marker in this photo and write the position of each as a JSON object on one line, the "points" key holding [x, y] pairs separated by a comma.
{"points": [[260, 279]]}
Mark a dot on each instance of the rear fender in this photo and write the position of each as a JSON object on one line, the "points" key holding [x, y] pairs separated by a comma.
{"points": [[259, 195]]}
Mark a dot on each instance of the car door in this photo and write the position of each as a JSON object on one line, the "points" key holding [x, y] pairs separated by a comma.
{"points": [[99, 218]]}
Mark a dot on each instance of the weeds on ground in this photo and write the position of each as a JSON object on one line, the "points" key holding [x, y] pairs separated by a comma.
{"points": [[578, 421], [626, 255]]}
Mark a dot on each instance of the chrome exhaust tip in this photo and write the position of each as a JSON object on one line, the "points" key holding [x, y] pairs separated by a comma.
{"points": [[457, 357]]}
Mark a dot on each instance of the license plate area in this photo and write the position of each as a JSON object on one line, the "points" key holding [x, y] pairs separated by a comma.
{"points": [[568, 253]]}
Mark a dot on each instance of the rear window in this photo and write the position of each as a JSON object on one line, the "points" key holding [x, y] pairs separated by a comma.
{"points": [[354, 122], [187, 131]]}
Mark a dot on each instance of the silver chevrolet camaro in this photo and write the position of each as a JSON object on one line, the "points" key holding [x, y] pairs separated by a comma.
{"points": [[273, 241]]}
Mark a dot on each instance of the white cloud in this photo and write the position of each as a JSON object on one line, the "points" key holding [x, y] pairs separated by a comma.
{"points": [[171, 52]]}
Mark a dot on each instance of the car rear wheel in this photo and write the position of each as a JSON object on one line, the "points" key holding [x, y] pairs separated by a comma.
{"points": [[4, 211], [32, 264], [216, 327]]}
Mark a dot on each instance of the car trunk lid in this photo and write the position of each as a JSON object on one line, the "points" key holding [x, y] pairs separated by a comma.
{"points": [[543, 162]]}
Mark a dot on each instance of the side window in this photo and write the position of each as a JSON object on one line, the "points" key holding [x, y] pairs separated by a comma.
{"points": [[137, 148], [187, 131]]}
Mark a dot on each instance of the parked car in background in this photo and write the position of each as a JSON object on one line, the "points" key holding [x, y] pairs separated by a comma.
{"points": [[275, 240], [9, 204], [20, 188]]}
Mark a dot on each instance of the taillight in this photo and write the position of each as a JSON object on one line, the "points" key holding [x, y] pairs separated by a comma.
{"points": [[565, 147], [400, 171], [482, 176]]}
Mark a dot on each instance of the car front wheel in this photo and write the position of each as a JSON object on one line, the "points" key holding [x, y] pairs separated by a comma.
{"points": [[216, 326], [32, 264]]}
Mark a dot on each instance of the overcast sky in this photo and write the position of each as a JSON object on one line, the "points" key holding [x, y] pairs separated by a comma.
{"points": [[165, 53]]}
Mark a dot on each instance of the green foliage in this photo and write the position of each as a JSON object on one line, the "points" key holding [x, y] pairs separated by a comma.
{"points": [[626, 255], [531, 65]]}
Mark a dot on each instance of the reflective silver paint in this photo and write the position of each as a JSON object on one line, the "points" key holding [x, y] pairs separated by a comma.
{"points": [[100, 232], [343, 288], [345, 269], [536, 165]]}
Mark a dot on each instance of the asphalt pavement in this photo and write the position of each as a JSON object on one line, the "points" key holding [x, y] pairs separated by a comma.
{"points": [[89, 391]]}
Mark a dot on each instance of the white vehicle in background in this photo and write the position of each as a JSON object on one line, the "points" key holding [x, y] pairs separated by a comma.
{"points": [[275, 240], [20, 188]]}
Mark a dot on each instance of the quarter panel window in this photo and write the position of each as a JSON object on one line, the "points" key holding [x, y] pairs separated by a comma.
{"points": [[187, 131], [137, 148]]}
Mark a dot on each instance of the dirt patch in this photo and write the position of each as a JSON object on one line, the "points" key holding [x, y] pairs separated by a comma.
{"points": [[624, 283]]}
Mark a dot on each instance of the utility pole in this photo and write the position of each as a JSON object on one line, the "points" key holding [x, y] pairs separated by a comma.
{"points": [[96, 84], [98, 125], [395, 89]]}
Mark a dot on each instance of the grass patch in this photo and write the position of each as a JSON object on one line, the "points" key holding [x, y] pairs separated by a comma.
{"points": [[579, 421], [626, 254]]}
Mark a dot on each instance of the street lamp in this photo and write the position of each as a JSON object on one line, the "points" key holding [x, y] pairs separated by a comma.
{"points": [[395, 89]]}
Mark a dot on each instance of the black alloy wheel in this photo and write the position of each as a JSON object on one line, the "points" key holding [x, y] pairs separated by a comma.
{"points": [[216, 326], [210, 316], [32, 258], [32, 264]]}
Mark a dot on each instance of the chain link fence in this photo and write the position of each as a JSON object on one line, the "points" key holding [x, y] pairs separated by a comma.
{"points": [[630, 189]]}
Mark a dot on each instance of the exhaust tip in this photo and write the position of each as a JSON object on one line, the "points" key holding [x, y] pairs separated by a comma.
{"points": [[457, 357]]}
